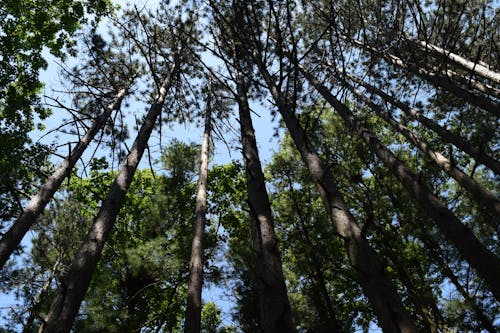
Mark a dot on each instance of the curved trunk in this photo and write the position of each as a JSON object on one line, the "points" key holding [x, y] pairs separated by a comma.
{"points": [[13, 237], [66, 303], [379, 289], [275, 313], [193, 307], [446, 136], [480, 195], [486, 263]]}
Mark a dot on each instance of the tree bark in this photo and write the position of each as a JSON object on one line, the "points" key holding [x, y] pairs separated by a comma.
{"points": [[11, 240], [381, 293], [275, 313], [66, 303], [480, 195], [445, 135], [486, 263], [192, 322]]}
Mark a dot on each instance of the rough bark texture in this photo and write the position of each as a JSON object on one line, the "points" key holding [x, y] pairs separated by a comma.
{"points": [[192, 323], [480, 195], [11, 240], [486, 264], [275, 313], [445, 135], [467, 64], [370, 273], [66, 303]]}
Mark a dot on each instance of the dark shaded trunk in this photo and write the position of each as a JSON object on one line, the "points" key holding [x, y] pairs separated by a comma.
{"points": [[11, 240], [66, 303], [381, 293], [486, 264], [479, 194], [479, 155], [275, 313], [192, 322]]}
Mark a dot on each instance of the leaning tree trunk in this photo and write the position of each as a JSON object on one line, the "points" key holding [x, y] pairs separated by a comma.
{"points": [[473, 67], [486, 263], [445, 135], [66, 303], [11, 240], [192, 322], [379, 289], [436, 79], [275, 313], [479, 194]]}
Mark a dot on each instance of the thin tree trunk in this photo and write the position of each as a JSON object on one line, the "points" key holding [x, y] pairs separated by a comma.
{"points": [[486, 322], [480, 195], [467, 64], [34, 311], [447, 136], [193, 308], [275, 313], [437, 80], [381, 293], [66, 303], [11, 240], [486, 263], [331, 323]]}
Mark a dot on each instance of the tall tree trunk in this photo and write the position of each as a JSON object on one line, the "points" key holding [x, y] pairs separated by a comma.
{"points": [[480, 195], [275, 313], [193, 308], [66, 303], [486, 263], [379, 289], [474, 67], [479, 155], [436, 79], [11, 240]]}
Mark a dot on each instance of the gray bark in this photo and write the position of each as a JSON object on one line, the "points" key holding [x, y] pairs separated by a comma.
{"points": [[386, 303], [11, 240], [275, 313], [66, 303], [486, 263], [193, 308]]}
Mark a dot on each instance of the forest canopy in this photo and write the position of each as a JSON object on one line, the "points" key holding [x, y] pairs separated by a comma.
{"points": [[339, 170]]}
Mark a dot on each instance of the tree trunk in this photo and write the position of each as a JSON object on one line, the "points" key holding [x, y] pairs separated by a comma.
{"points": [[275, 313], [377, 286], [486, 263], [480, 195], [11, 240], [445, 135], [192, 322], [437, 80], [467, 64], [66, 303]]}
